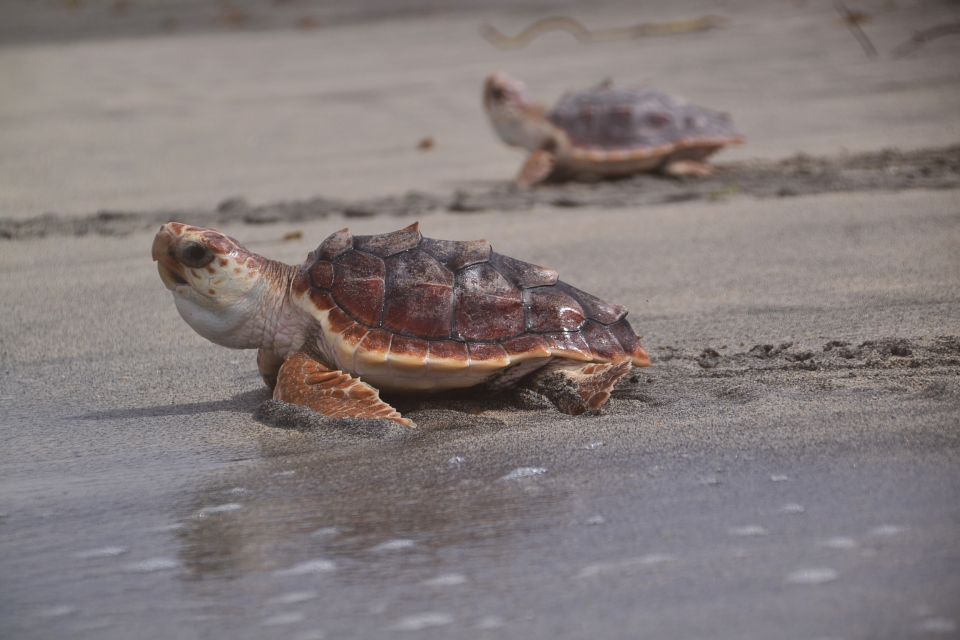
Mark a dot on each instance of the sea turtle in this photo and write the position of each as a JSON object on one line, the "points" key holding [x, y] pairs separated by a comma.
{"points": [[605, 131], [400, 313]]}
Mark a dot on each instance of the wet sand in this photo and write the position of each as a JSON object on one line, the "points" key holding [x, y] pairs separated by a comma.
{"points": [[787, 468]]}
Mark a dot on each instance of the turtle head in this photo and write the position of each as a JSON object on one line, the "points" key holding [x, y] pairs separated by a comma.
{"points": [[517, 120], [219, 287]]}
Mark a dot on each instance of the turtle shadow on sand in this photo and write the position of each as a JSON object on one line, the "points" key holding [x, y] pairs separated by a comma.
{"points": [[449, 412], [243, 402]]}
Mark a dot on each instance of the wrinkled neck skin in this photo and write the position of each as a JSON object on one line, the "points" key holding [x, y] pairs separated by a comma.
{"points": [[262, 318], [526, 126]]}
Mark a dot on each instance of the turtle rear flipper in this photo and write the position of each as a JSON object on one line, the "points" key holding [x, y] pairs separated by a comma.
{"points": [[304, 381], [575, 387], [538, 167]]}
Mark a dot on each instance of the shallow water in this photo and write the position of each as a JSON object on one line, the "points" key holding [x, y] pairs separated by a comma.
{"points": [[351, 545]]}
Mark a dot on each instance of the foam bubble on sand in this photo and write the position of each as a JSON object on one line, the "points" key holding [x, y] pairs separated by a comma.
{"points": [[377, 608], [595, 520], [524, 472], [153, 564], [446, 580], [887, 530], [604, 568], [423, 621], [594, 445], [102, 552], [220, 508], [393, 545], [325, 532], [237, 491], [456, 462], [748, 530], [812, 575], [291, 617], [779, 477], [57, 611], [839, 542], [489, 622], [317, 565], [937, 625], [289, 473], [791, 508], [293, 597]]}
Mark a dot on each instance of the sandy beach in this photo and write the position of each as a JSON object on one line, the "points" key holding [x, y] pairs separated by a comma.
{"points": [[787, 468]]}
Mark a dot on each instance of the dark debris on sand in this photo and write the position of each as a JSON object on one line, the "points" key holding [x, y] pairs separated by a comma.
{"points": [[888, 170]]}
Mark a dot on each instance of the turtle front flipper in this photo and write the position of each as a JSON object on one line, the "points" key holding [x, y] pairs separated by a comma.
{"points": [[685, 168], [575, 387], [304, 381], [537, 168]]}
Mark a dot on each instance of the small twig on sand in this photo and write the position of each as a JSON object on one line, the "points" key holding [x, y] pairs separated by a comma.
{"points": [[922, 37], [584, 35], [852, 20]]}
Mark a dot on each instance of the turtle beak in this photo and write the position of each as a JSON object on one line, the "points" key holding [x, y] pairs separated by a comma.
{"points": [[167, 265]]}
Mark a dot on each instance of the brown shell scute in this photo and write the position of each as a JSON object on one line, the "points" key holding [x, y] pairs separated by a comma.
{"points": [[523, 274], [595, 308], [629, 340], [602, 341], [551, 309], [321, 274], [419, 295], [409, 347], [455, 255], [358, 286], [489, 307], [448, 350], [389, 244], [334, 245]]}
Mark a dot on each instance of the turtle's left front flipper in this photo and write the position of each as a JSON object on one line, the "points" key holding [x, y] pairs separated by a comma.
{"points": [[304, 381], [537, 168]]}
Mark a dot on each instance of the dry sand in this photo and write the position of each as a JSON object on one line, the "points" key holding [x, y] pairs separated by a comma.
{"points": [[788, 468]]}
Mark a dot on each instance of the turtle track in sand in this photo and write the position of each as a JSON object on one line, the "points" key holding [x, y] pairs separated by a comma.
{"points": [[888, 170], [926, 368]]}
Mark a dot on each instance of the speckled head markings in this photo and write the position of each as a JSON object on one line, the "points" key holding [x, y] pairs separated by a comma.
{"points": [[606, 131], [397, 312], [222, 290]]}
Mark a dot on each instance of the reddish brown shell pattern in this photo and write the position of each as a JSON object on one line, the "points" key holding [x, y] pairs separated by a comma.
{"points": [[413, 296]]}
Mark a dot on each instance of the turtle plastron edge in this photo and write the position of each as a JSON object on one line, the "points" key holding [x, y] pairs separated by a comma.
{"points": [[305, 382]]}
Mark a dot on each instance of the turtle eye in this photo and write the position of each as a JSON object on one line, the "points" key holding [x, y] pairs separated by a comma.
{"points": [[195, 255], [498, 94]]}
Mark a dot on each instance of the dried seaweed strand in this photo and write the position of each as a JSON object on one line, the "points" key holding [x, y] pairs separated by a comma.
{"points": [[584, 35], [852, 20], [922, 37]]}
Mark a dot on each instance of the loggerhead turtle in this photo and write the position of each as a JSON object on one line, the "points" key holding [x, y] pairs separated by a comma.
{"points": [[605, 131], [401, 313]]}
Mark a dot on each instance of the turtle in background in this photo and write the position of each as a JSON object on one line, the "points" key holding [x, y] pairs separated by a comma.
{"points": [[400, 313], [605, 132]]}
